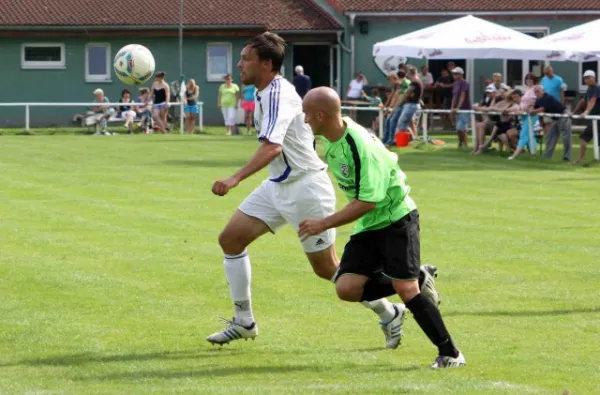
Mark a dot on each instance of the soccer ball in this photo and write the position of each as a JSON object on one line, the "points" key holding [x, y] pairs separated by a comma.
{"points": [[134, 64]]}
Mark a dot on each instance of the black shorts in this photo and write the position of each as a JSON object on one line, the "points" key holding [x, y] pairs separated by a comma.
{"points": [[394, 251], [588, 134]]}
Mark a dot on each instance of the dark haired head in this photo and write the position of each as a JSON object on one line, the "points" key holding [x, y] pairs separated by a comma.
{"points": [[124, 91], [516, 92], [531, 76], [160, 74], [269, 46], [401, 74]]}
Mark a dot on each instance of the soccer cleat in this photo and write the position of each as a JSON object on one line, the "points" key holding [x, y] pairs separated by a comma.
{"points": [[448, 362], [393, 329], [233, 331], [427, 284]]}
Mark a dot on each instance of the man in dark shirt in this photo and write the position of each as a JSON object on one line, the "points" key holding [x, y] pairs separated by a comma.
{"points": [[591, 103], [546, 103], [302, 82]]}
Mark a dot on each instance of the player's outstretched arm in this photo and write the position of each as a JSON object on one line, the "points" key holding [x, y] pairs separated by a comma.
{"points": [[263, 156], [353, 211]]}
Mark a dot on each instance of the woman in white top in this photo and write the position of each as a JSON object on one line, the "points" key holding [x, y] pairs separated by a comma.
{"points": [[356, 87], [425, 76]]}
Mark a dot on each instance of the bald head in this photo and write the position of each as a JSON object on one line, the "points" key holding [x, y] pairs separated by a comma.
{"points": [[322, 109], [325, 99]]}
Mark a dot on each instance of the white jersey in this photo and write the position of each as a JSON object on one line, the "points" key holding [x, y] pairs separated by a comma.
{"points": [[278, 118]]}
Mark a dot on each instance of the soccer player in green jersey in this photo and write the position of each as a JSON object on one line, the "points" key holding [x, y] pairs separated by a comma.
{"points": [[384, 249]]}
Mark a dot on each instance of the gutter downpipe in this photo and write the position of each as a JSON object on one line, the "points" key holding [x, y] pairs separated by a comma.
{"points": [[352, 45]]}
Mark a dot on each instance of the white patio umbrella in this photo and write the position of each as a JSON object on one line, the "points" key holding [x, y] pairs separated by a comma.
{"points": [[466, 38], [582, 41]]}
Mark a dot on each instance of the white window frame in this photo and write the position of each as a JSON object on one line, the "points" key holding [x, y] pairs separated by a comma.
{"points": [[217, 77], [98, 78], [44, 65], [525, 63], [582, 87]]}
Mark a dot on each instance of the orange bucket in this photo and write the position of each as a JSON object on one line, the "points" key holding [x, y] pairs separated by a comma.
{"points": [[402, 139]]}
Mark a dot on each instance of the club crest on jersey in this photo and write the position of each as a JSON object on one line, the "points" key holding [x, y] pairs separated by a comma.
{"points": [[345, 170]]}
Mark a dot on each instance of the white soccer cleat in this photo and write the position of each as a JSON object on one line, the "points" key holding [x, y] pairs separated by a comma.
{"points": [[233, 331], [449, 362], [427, 284], [393, 329]]}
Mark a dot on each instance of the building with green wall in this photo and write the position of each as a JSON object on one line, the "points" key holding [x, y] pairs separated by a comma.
{"points": [[62, 55]]}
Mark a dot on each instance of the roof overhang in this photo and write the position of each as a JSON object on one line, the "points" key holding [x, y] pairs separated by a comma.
{"points": [[128, 27], [380, 14]]}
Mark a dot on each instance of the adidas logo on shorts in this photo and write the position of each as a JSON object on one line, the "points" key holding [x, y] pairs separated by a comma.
{"points": [[320, 242]]}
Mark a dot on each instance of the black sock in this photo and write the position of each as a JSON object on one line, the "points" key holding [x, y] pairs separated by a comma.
{"points": [[430, 320], [377, 287]]}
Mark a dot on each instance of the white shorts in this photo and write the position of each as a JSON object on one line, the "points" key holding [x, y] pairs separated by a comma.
{"points": [[310, 197], [229, 116]]}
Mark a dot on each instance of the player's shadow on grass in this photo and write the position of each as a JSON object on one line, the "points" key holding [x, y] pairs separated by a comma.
{"points": [[539, 313], [213, 371], [206, 163], [89, 358]]}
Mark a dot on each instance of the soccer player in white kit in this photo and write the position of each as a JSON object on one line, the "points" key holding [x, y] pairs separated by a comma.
{"points": [[298, 188]]}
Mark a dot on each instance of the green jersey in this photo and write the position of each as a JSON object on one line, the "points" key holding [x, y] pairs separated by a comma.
{"points": [[365, 170], [403, 87]]}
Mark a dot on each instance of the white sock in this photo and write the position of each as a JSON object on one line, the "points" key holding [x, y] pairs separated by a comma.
{"points": [[238, 273], [383, 308]]}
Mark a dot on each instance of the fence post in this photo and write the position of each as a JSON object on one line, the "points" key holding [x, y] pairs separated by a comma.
{"points": [[531, 135], [27, 117], [201, 117], [595, 140], [381, 123], [473, 130], [181, 112], [424, 124]]}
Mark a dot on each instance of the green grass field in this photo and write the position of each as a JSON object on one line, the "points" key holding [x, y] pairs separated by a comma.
{"points": [[111, 276]]}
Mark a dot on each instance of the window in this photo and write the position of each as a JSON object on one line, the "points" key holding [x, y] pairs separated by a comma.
{"points": [[583, 66], [43, 56], [218, 61], [97, 62], [516, 69]]}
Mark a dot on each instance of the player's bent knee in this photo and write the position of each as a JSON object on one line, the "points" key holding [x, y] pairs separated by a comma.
{"points": [[406, 289], [230, 243], [347, 290]]}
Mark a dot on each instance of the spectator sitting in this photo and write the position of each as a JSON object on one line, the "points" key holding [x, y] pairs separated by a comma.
{"points": [[125, 111], [144, 110], [410, 103], [425, 76], [591, 103], [505, 122], [546, 103], [374, 100], [102, 112], [497, 85], [488, 122]]}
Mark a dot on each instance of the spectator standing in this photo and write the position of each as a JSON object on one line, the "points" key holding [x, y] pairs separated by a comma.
{"points": [[411, 103], [302, 82], [125, 110], [425, 76], [375, 101], [248, 96], [191, 109], [553, 84], [591, 103], [162, 94], [549, 104], [356, 87], [445, 83], [525, 106], [401, 85], [229, 96], [461, 101]]}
